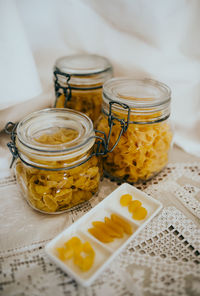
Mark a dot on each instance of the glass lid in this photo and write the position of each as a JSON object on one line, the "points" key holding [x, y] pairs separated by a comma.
{"points": [[55, 131], [84, 68], [136, 93]]}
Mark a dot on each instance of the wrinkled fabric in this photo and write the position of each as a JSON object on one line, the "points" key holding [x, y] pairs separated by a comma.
{"points": [[18, 75], [156, 39]]}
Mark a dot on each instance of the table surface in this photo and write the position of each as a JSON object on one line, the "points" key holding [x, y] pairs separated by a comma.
{"points": [[163, 259]]}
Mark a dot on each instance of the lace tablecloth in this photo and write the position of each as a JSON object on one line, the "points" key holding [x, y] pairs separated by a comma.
{"points": [[164, 259]]}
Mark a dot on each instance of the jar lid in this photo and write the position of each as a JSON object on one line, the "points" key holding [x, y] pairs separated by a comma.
{"points": [[48, 122], [84, 68], [137, 93], [148, 100]]}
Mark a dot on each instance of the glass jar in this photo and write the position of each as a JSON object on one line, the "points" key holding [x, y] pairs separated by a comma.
{"points": [[56, 167], [143, 149], [78, 81]]}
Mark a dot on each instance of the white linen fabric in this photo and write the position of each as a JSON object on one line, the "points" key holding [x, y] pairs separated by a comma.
{"points": [[157, 39], [18, 75]]}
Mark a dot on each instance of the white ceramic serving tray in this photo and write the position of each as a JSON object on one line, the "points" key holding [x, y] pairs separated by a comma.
{"points": [[104, 253]]}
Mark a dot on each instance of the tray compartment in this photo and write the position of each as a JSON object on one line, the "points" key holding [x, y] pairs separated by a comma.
{"points": [[101, 255], [152, 206], [99, 216]]}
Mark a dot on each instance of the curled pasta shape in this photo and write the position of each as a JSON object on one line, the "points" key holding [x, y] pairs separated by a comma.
{"points": [[141, 152], [88, 102]]}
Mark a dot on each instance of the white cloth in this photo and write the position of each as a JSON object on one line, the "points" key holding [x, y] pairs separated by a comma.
{"points": [[157, 39], [18, 75]]}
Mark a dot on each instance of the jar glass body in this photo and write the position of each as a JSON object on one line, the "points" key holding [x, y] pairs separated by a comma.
{"points": [[143, 149], [60, 171], [78, 83], [86, 101]]}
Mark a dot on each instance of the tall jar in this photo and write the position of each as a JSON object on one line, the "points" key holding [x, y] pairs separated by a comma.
{"points": [[143, 147], [78, 81], [56, 167]]}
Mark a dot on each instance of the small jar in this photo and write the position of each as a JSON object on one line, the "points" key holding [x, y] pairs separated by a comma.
{"points": [[78, 81], [143, 149], [56, 167]]}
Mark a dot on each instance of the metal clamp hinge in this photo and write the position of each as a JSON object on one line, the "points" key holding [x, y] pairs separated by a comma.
{"points": [[10, 129]]}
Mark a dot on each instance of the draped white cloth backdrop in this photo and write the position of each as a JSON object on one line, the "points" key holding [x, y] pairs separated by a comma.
{"points": [[157, 39]]}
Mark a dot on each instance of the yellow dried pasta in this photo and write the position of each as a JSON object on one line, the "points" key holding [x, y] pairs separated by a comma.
{"points": [[141, 152], [82, 254], [86, 101], [63, 135], [57, 191]]}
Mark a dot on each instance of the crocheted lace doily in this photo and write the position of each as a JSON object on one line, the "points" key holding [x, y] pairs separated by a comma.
{"points": [[177, 181], [181, 181], [162, 260]]}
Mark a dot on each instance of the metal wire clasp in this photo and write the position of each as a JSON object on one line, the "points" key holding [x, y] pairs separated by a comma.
{"points": [[10, 129], [66, 89], [124, 122], [101, 140]]}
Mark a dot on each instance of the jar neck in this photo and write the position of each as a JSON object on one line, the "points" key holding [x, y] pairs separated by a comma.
{"points": [[138, 116], [61, 161]]}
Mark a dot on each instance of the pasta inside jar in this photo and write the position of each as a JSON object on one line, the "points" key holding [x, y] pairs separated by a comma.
{"points": [[86, 101], [143, 149], [56, 170], [78, 83]]}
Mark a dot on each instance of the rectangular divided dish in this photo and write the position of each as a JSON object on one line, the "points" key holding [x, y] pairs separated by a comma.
{"points": [[104, 252]]}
